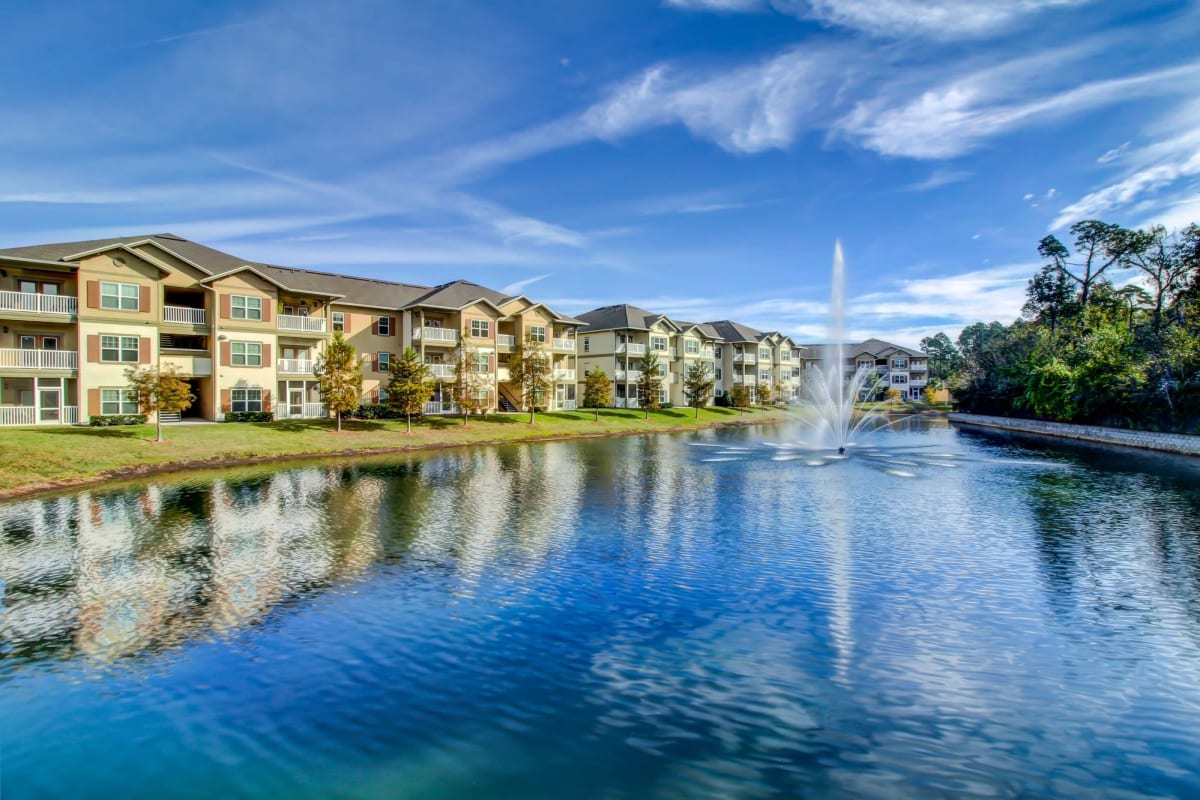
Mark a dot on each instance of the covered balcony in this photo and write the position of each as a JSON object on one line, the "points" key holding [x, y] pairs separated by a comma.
{"points": [[32, 303], [11, 358]]}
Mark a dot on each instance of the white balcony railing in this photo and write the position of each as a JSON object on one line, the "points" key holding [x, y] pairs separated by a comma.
{"points": [[627, 375], [301, 411], [564, 344], [185, 316], [564, 375], [632, 349], [440, 370], [438, 407], [918, 382], [914, 367], [744, 358], [625, 402], [566, 405], [38, 303], [437, 335], [293, 322], [39, 359], [28, 415], [18, 415], [506, 340], [295, 366]]}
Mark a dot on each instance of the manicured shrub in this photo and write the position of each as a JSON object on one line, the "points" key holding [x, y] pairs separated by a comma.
{"points": [[376, 411], [249, 416], [108, 420]]}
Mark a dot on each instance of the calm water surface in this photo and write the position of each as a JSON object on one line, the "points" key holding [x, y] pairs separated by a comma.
{"points": [[630, 618]]}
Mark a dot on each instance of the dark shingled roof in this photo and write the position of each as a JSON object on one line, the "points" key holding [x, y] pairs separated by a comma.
{"points": [[457, 294], [705, 328], [618, 317], [352, 290], [875, 347], [736, 332]]}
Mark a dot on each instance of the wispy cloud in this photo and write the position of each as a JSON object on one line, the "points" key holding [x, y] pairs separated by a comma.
{"points": [[205, 32], [516, 287], [1113, 154], [931, 19], [939, 178]]}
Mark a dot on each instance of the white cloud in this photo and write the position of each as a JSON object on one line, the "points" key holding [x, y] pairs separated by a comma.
{"points": [[935, 19], [959, 116], [1050, 194], [1113, 154], [975, 236], [1159, 179], [716, 5], [949, 301], [516, 287], [1028, 196], [939, 178]]}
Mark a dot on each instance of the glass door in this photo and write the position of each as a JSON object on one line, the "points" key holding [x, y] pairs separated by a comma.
{"points": [[49, 400], [295, 402]]}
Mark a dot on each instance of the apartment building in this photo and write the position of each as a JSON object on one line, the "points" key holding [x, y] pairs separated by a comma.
{"points": [[74, 317], [895, 366], [614, 338]]}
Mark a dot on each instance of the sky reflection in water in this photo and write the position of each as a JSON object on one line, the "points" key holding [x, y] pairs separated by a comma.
{"points": [[637, 617]]}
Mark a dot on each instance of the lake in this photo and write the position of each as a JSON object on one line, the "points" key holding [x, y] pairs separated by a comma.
{"points": [[943, 614]]}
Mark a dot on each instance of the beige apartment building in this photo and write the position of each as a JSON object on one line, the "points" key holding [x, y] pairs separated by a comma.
{"points": [[614, 338], [74, 317], [894, 366]]}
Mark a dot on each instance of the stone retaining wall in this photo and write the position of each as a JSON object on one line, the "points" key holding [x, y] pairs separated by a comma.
{"points": [[1146, 440]]}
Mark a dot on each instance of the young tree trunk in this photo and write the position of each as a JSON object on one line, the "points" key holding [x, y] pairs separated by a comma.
{"points": [[597, 417], [339, 421], [158, 425], [532, 412], [697, 411], [465, 425], [409, 418]]}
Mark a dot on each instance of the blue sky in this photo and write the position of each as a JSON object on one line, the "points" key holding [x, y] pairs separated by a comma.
{"points": [[696, 157]]}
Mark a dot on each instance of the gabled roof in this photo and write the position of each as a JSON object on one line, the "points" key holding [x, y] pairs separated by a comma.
{"points": [[533, 304], [619, 317], [876, 348], [458, 294], [349, 289], [704, 328], [735, 332]]}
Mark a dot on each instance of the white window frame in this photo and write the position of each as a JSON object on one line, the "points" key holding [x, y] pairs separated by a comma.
{"points": [[124, 401], [247, 308], [383, 361], [537, 333], [339, 321], [691, 347], [660, 343], [481, 363], [384, 326], [587, 344], [116, 296], [899, 380], [121, 348], [245, 398], [764, 353], [899, 363], [481, 329], [247, 354]]}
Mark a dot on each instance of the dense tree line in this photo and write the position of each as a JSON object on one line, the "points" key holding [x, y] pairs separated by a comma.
{"points": [[1110, 334]]}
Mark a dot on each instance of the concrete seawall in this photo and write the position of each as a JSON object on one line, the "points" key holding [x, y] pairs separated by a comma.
{"points": [[1145, 440]]}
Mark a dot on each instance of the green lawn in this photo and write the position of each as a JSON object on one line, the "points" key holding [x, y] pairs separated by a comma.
{"points": [[35, 458]]}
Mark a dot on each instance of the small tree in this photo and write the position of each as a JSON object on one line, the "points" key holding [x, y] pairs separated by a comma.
{"points": [[781, 394], [893, 395], [650, 383], [597, 391], [739, 396], [159, 392], [930, 394], [339, 377], [698, 385], [764, 394], [469, 382], [408, 386], [529, 369]]}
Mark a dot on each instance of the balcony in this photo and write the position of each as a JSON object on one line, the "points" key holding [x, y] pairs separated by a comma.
{"points": [[440, 371], [623, 402], [187, 364], [744, 358], [506, 340], [300, 411], [920, 383], [30, 303], [28, 415], [39, 359], [566, 405], [564, 375], [184, 316], [631, 349], [914, 367], [447, 336], [627, 375], [566, 345], [294, 366], [292, 322], [437, 407]]}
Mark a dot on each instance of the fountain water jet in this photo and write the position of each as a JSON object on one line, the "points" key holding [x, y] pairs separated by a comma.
{"points": [[831, 407]]}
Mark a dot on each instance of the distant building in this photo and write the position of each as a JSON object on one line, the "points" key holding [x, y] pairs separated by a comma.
{"points": [[895, 366]]}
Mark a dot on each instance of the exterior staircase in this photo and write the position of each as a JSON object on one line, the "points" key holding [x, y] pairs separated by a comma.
{"points": [[506, 405], [169, 417]]}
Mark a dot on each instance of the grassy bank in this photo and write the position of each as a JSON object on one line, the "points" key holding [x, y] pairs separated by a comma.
{"points": [[43, 458]]}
